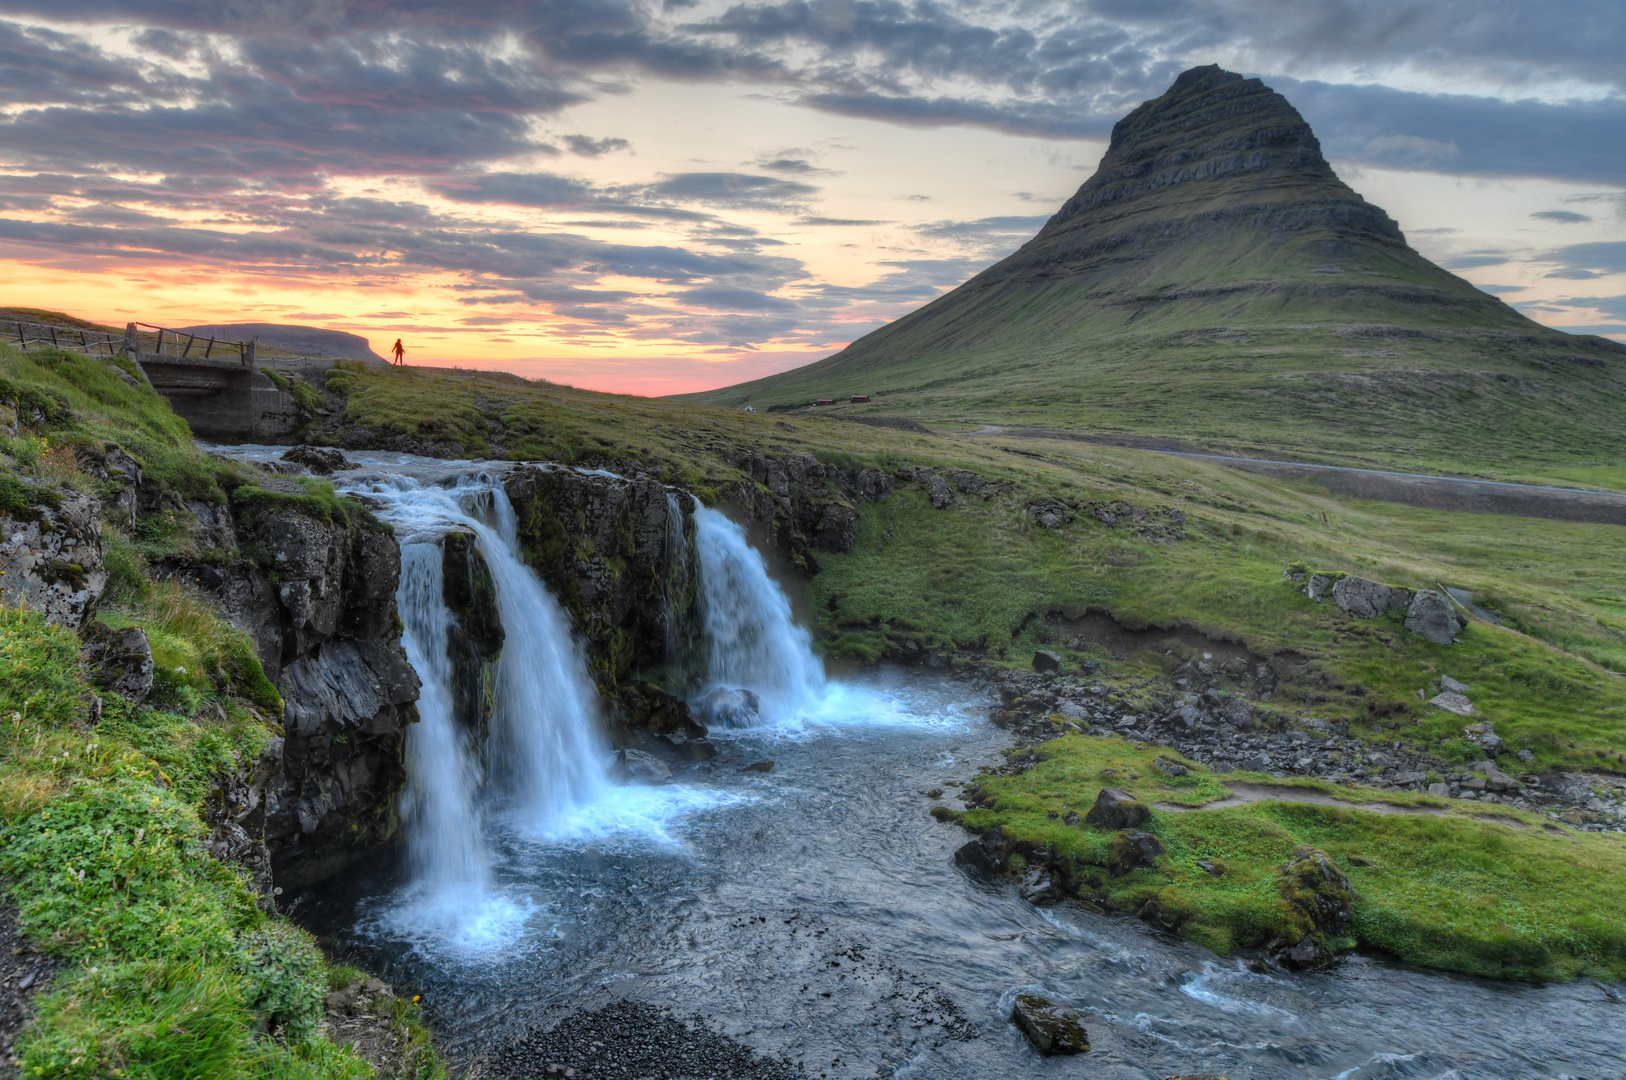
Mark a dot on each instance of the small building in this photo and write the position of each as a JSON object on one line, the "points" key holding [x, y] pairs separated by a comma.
{"points": [[750, 408], [825, 401], [860, 399]]}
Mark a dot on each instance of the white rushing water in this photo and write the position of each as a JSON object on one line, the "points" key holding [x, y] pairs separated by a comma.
{"points": [[546, 752], [753, 640]]}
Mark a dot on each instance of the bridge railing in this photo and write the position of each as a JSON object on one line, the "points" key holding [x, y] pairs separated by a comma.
{"points": [[153, 340], [25, 334], [181, 343]]}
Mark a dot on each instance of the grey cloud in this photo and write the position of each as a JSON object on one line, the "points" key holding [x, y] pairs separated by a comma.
{"points": [[586, 146], [1021, 118], [1501, 290], [725, 298], [1583, 261], [1477, 259], [1563, 217], [1465, 135], [739, 191]]}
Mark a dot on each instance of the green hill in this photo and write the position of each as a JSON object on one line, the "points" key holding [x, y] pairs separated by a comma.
{"points": [[1215, 282]]}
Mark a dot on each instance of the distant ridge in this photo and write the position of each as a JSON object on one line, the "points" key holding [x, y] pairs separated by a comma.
{"points": [[306, 340], [1216, 282]]}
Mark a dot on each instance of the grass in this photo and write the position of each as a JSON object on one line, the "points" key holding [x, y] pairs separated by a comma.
{"points": [[1450, 891], [983, 578], [174, 969]]}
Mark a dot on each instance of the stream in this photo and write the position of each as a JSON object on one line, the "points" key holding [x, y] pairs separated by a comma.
{"points": [[813, 911]]}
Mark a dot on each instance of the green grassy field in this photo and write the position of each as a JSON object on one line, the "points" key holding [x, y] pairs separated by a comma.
{"points": [[1502, 895], [983, 577]]}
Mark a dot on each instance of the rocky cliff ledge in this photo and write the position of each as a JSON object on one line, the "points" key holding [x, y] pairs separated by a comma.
{"points": [[317, 594], [312, 582]]}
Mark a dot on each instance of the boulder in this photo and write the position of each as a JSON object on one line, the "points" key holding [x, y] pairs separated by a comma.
{"points": [[637, 767], [1453, 703], [1115, 810], [758, 767], [1052, 1028], [119, 660], [729, 707], [1485, 736], [51, 554], [1169, 767], [320, 460], [1320, 906], [1430, 615], [1317, 587], [1364, 599], [1131, 849], [1045, 660], [984, 855]]}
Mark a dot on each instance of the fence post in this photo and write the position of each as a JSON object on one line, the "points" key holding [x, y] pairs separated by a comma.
{"points": [[248, 350], [132, 340]]}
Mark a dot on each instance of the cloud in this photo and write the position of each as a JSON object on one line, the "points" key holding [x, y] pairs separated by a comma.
{"points": [[1475, 259], [586, 146], [735, 191], [1410, 152], [1584, 261], [1563, 217]]}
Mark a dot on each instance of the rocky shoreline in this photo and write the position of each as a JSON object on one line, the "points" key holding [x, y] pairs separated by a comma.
{"points": [[1218, 714]]}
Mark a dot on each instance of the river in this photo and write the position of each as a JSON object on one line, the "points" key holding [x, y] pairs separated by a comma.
{"points": [[814, 912]]}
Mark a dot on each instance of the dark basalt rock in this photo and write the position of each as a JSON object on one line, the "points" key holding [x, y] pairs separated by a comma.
{"points": [[321, 460], [611, 551], [1045, 660], [1115, 810], [1053, 1028], [1320, 903], [728, 706], [1131, 849], [985, 855], [51, 554], [119, 660], [318, 599], [471, 597], [645, 717]]}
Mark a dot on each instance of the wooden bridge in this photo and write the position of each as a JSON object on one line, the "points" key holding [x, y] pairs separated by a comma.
{"points": [[211, 383]]}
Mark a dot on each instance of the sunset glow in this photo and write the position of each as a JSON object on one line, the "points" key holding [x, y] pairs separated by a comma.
{"points": [[665, 199]]}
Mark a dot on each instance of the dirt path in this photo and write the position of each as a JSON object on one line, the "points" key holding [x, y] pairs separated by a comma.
{"points": [[1408, 489], [1243, 794]]}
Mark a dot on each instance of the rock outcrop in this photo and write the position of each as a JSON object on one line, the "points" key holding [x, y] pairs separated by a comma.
{"points": [[1319, 906], [1052, 1028], [1431, 615], [316, 594], [810, 507], [1364, 599], [619, 555], [50, 551]]}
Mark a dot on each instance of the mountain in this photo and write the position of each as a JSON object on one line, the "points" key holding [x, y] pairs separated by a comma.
{"points": [[306, 340], [1215, 282]]}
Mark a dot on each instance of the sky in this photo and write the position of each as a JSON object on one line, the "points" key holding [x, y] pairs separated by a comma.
{"points": [[657, 197]]}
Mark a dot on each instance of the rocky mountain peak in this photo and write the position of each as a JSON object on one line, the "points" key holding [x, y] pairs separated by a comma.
{"points": [[1215, 138]]}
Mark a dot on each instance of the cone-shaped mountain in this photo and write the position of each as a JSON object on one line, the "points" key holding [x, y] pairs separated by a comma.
{"points": [[1215, 281]]}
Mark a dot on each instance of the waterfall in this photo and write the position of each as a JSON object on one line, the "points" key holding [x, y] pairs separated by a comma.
{"points": [[444, 842], [679, 574], [754, 642], [545, 749]]}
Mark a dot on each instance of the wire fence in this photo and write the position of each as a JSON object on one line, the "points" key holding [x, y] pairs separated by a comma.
{"points": [[154, 340]]}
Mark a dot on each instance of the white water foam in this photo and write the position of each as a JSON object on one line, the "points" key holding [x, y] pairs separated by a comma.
{"points": [[753, 641]]}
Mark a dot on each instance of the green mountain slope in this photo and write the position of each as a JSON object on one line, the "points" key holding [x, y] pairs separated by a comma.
{"points": [[1215, 282]]}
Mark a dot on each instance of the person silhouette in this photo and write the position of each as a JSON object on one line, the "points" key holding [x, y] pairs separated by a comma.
{"points": [[399, 352]]}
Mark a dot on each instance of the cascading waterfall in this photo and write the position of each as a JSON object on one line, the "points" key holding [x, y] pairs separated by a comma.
{"points": [[678, 569], [444, 842], [545, 750], [753, 639]]}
